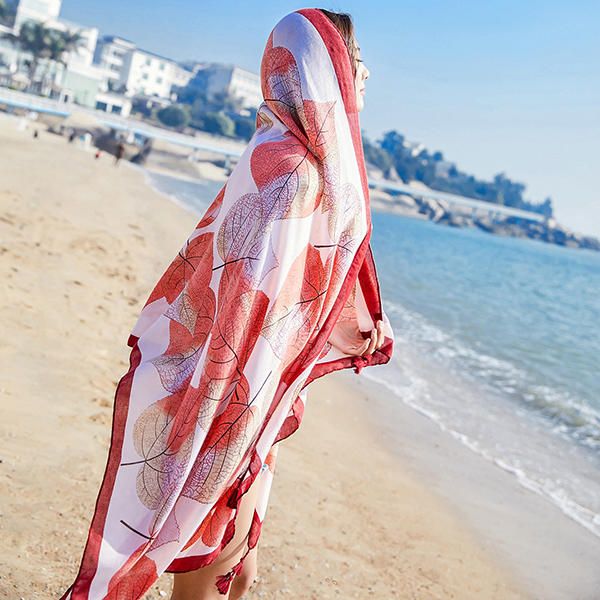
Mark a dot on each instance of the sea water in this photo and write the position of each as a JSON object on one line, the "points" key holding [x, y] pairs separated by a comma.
{"points": [[497, 341]]}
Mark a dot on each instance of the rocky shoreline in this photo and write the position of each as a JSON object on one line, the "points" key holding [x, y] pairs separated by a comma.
{"points": [[439, 211]]}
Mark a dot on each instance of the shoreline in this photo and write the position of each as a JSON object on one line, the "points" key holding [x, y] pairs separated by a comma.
{"points": [[84, 243], [550, 554]]}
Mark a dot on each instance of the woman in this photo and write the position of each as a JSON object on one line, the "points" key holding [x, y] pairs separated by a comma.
{"points": [[275, 287]]}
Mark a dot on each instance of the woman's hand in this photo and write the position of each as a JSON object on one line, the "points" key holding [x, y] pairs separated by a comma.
{"points": [[348, 338]]}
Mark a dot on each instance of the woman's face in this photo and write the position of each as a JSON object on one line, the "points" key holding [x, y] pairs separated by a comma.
{"points": [[362, 73]]}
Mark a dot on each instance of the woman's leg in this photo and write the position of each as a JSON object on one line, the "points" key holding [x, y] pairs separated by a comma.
{"points": [[200, 583], [242, 582]]}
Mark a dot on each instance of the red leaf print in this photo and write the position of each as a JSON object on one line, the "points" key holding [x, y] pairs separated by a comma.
{"points": [[227, 440], [213, 526], [226, 355], [195, 251], [213, 210], [163, 465], [294, 314], [287, 177], [134, 578]]}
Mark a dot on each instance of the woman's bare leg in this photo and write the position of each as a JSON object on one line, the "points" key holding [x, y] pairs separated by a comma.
{"points": [[243, 581], [200, 583]]}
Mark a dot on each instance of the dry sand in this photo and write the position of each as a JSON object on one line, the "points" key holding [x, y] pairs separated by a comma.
{"points": [[82, 243]]}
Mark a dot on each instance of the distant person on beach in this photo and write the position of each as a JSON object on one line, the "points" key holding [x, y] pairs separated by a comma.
{"points": [[275, 287], [120, 152], [36, 134], [72, 137]]}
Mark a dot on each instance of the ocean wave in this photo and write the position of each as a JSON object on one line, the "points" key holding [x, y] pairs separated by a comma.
{"points": [[566, 415], [415, 395]]}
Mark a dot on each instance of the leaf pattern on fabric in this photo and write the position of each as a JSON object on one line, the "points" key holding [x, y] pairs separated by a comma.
{"points": [[289, 322], [281, 81], [134, 578], [161, 468], [212, 212], [183, 267], [224, 446], [212, 528]]}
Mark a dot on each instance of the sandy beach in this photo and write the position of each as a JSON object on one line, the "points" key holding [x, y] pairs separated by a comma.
{"points": [[82, 244]]}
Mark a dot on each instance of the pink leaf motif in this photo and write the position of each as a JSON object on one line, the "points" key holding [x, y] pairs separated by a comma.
{"points": [[292, 318], [169, 531], [213, 210], [194, 252], [161, 468], [134, 578], [212, 528], [222, 382], [223, 447]]}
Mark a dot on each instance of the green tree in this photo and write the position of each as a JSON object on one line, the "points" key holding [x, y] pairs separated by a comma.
{"points": [[175, 116], [219, 123], [245, 127], [376, 155]]}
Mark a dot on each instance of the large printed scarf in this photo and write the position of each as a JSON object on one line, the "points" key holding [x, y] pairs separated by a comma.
{"points": [[256, 305]]}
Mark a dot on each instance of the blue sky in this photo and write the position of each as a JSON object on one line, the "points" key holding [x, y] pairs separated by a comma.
{"points": [[497, 86]]}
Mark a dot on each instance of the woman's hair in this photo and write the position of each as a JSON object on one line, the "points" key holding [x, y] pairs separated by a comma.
{"points": [[344, 24]]}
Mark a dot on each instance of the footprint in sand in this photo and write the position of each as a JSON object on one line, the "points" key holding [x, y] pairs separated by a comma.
{"points": [[8, 218], [103, 402], [88, 245], [102, 418]]}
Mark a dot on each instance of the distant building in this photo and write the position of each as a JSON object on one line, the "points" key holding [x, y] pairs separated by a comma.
{"points": [[37, 10], [110, 55], [116, 104], [137, 71], [415, 148], [152, 75], [442, 167], [78, 75], [100, 69], [216, 78]]}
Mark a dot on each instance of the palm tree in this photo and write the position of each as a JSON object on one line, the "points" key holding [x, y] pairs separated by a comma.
{"points": [[62, 44], [45, 43]]}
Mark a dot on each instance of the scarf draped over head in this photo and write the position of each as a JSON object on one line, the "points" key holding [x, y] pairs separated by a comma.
{"points": [[259, 302]]}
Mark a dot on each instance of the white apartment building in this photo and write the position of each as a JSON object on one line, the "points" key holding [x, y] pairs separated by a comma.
{"points": [[152, 75], [47, 12], [37, 10], [79, 79], [110, 55], [137, 71], [232, 80]]}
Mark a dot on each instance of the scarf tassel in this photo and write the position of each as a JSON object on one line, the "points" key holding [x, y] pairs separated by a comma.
{"points": [[223, 582]]}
